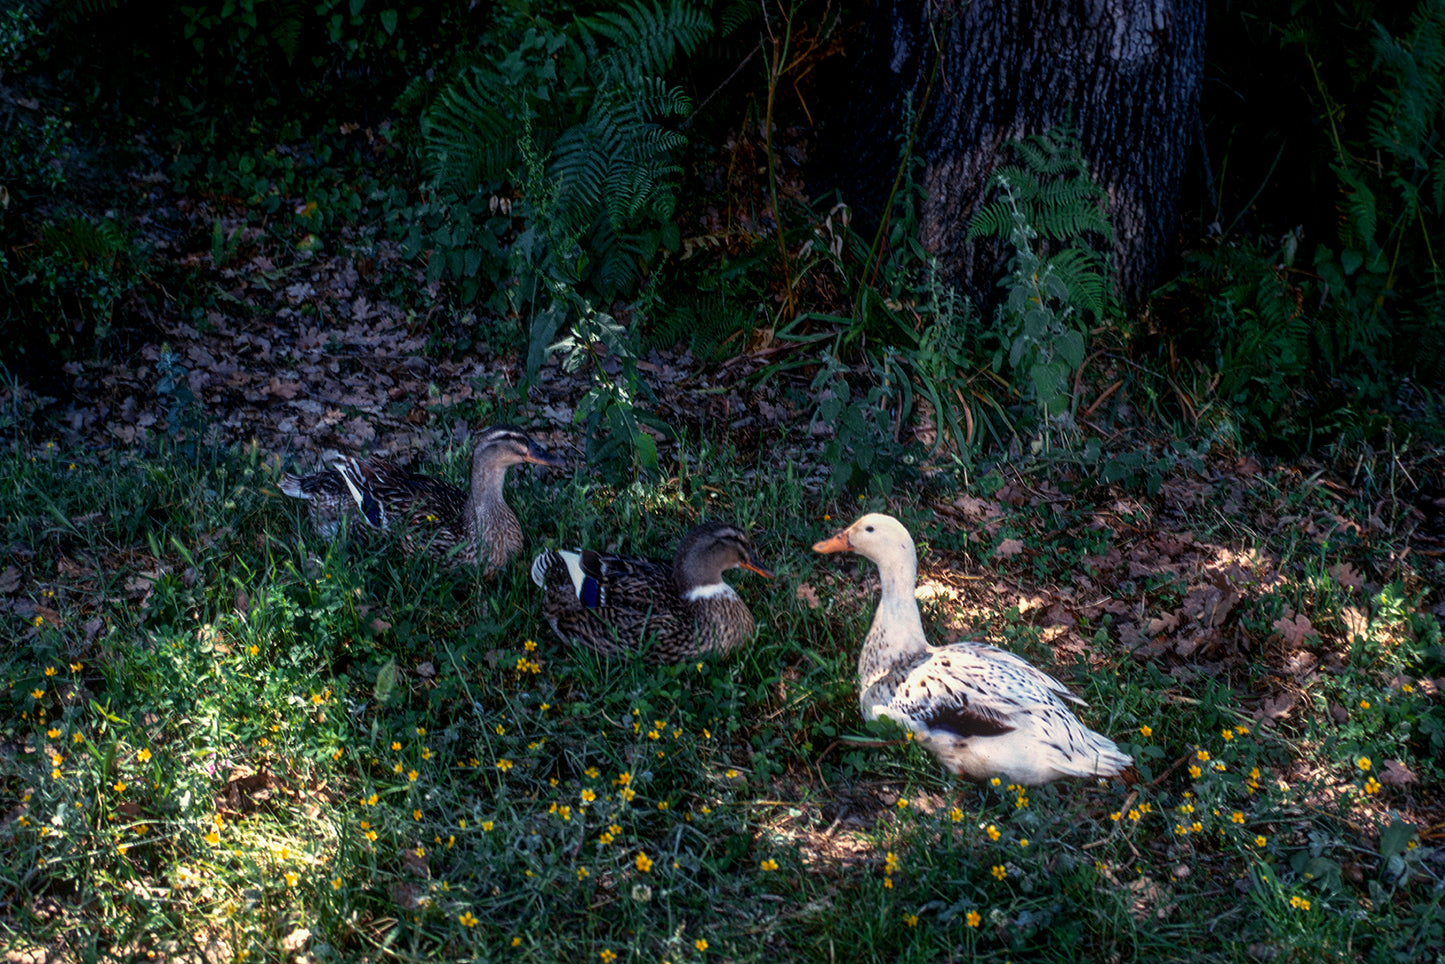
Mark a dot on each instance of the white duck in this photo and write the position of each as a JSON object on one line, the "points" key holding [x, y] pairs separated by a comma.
{"points": [[982, 711]]}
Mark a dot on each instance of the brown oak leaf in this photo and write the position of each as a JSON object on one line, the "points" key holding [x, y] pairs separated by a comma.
{"points": [[1008, 548], [1276, 707], [1347, 575], [1294, 628], [1161, 624], [1396, 774]]}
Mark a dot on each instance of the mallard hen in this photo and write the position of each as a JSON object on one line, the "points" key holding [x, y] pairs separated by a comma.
{"points": [[455, 526], [619, 605], [982, 711]]}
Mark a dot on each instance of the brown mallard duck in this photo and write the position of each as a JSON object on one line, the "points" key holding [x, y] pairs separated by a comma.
{"points": [[981, 710], [455, 526], [619, 605]]}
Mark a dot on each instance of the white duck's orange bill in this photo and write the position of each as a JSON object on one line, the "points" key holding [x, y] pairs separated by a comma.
{"points": [[835, 543]]}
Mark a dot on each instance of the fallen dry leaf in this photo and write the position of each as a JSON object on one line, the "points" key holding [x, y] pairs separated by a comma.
{"points": [[1347, 575], [295, 940], [1356, 623], [1030, 603], [1396, 774], [1276, 707], [975, 509], [1059, 616], [807, 595], [280, 389], [1161, 624], [9, 579], [1008, 548], [1295, 629]]}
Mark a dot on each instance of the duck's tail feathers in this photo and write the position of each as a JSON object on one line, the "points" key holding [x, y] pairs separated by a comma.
{"points": [[294, 486], [1106, 759]]}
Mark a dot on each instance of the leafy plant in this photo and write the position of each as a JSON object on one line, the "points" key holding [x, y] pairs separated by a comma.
{"points": [[62, 293], [1310, 326], [1048, 209], [592, 102], [1385, 280], [613, 424], [923, 354], [1259, 342]]}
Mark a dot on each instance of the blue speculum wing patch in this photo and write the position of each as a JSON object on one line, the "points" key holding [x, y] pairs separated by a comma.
{"points": [[591, 593], [371, 509]]}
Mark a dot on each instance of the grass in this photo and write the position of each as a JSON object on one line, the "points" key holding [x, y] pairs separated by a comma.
{"points": [[225, 741]]}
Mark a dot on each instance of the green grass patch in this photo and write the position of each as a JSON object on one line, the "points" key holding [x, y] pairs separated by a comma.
{"points": [[221, 734]]}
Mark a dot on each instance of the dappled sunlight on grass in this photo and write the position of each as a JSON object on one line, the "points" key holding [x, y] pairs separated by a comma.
{"points": [[232, 741]]}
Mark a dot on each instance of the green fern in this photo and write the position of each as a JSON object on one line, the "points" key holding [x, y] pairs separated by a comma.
{"points": [[83, 241], [1041, 326], [469, 133], [710, 323], [1392, 190], [1054, 190], [642, 41], [581, 121], [597, 108]]}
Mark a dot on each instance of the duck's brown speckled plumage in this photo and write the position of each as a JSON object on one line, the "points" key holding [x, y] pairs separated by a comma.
{"points": [[455, 526], [621, 605], [981, 710]]}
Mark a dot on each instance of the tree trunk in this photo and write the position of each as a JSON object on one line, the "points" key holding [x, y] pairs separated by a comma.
{"points": [[978, 73]]}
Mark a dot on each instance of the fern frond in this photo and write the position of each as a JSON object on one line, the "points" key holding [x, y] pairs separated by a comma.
{"points": [[1403, 120], [1360, 210], [1070, 209], [469, 134], [82, 240], [644, 39], [1083, 271], [579, 167], [994, 220], [619, 258]]}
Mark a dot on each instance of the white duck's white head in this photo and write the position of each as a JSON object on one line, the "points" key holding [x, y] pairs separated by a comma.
{"points": [[878, 537]]}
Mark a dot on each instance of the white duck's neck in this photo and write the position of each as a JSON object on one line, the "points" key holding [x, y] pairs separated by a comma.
{"points": [[897, 630]]}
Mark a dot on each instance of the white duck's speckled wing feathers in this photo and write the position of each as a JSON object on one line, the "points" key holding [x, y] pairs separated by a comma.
{"points": [[971, 688]]}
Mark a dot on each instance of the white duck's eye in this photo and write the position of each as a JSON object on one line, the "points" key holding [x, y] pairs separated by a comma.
{"points": [[869, 529]]}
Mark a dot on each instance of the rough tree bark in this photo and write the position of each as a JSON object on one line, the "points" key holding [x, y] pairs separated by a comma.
{"points": [[1125, 73]]}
